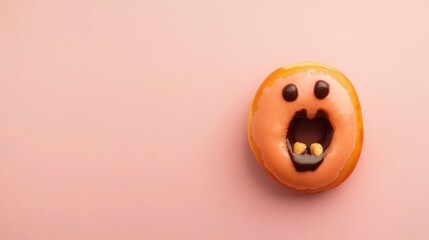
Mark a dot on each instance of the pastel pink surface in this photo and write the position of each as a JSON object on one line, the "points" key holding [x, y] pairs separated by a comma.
{"points": [[127, 119]]}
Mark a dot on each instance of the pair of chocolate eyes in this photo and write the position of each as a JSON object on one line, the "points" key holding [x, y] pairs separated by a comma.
{"points": [[321, 90]]}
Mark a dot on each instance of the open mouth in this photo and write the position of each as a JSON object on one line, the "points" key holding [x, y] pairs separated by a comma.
{"points": [[308, 140]]}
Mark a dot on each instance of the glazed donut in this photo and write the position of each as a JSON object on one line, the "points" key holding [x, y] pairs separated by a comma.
{"points": [[305, 127]]}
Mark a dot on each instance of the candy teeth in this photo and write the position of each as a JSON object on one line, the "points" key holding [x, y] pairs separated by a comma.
{"points": [[299, 148], [316, 149]]}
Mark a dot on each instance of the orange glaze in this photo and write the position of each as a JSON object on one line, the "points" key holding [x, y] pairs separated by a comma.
{"points": [[270, 116]]}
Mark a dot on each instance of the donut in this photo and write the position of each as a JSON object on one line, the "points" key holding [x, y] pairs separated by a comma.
{"points": [[305, 127]]}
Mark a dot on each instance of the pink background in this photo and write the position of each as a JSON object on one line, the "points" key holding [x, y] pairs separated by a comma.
{"points": [[127, 119]]}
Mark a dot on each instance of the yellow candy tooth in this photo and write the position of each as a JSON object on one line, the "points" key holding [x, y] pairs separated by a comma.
{"points": [[316, 149], [299, 148]]}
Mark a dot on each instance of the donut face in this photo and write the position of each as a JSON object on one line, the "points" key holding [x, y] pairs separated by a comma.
{"points": [[305, 127]]}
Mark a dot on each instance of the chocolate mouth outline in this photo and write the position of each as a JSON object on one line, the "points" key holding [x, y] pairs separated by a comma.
{"points": [[306, 161]]}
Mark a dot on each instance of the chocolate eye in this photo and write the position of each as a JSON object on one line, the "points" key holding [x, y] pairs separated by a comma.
{"points": [[321, 89], [290, 92]]}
